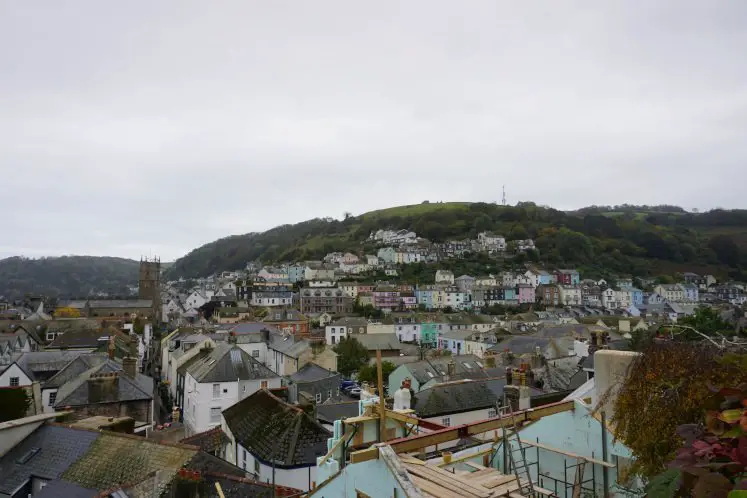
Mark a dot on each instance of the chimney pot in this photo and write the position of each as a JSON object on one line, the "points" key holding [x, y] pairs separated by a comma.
{"points": [[129, 366]]}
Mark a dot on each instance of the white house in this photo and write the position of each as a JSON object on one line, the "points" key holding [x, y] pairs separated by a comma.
{"points": [[570, 295], [624, 297], [275, 441], [14, 376], [196, 299], [179, 350], [491, 242], [444, 277], [222, 378], [609, 298], [343, 327]]}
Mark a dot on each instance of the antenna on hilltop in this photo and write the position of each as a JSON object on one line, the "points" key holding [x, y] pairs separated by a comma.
{"points": [[503, 199]]}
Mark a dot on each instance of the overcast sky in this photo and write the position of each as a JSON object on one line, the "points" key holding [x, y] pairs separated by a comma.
{"points": [[152, 127]]}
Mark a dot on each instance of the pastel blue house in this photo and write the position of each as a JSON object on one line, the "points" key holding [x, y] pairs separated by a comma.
{"points": [[691, 292], [579, 432], [545, 278], [425, 297], [637, 296], [296, 273]]}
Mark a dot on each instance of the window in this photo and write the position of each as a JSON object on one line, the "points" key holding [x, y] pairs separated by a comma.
{"points": [[332, 341], [216, 391], [446, 421], [492, 413], [255, 353], [263, 384], [256, 466], [214, 415], [318, 397], [52, 398], [14, 382]]}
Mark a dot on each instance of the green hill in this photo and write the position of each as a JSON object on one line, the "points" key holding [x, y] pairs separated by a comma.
{"points": [[66, 276], [635, 240]]}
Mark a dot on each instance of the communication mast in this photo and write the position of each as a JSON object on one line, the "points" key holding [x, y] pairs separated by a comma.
{"points": [[503, 199]]}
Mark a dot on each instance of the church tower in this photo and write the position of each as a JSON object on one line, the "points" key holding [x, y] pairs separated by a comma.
{"points": [[149, 282]]}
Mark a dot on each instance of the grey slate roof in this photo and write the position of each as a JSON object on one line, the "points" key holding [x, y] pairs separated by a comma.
{"points": [[329, 412], [288, 345], [227, 363], [75, 392], [58, 448], [251, 328], [311, 372], [433, 368], [385, 342], [121, 303], [74, 367], [64, 489], [272, 429], [79, 338], [454, 397]]}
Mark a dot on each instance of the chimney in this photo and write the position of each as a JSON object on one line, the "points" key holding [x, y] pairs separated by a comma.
{"points": [[111, 348], [265, 335], [129, 366], [524, 398], [451, 368], [103, 387], [509, 376]]}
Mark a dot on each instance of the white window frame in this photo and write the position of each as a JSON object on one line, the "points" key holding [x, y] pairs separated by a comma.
{"points": [[52, 398], [318, 397], [213, 419], [15, 381], [446, 421], [216, 391]]}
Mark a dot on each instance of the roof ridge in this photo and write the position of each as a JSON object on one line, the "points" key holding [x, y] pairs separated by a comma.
{"points": [[126, 436], [294, 438]]}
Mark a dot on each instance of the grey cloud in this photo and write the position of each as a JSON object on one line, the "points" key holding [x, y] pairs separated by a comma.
{"points": [[152, 127]]}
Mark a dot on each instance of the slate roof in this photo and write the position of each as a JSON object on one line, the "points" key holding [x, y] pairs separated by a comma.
{"points": [[75, 392], [350, 321], [64, 489], [74, 367], [288, 345], [79, 338], [227, 363], [121, 303], [329, 412], [454, 397], [432, 368], [385, 342], [272, 429], [208, 441], [57, 448], [119, 459], [311, 372], [251, 328]]}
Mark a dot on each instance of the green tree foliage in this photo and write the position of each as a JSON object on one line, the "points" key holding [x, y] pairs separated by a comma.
{"points": [[620, 239], [352, 355], [369, 373], [14, 403], [706, 320], [668, 386], [66, 276]]}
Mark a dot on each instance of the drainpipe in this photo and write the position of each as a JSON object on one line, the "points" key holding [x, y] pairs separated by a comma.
{"points": [[605, 470]]}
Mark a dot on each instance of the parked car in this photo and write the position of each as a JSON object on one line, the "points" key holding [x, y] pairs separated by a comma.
{"points": [[345, 384], [355, 392]]}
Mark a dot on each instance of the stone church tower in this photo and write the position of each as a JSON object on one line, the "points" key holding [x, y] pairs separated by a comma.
{"points": [[149, 283]]}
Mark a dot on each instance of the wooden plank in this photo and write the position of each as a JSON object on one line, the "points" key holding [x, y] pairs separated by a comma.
{"points": [[405, 445], [498, 481], [334, 448], [449, 481], [432, 489], [477, 466], [371, 453], [568, 454], [463, 458]]}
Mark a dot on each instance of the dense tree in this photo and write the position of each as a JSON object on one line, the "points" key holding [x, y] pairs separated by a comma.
{"points": [[14, 403], [369, 373], [352, 355], [67, 276], [623, 239]]}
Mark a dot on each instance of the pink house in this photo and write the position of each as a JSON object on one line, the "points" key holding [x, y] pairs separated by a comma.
{"points": [[525, 293]]}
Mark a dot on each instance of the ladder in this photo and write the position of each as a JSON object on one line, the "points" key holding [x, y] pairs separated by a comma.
{"points": [[516, 456]]}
